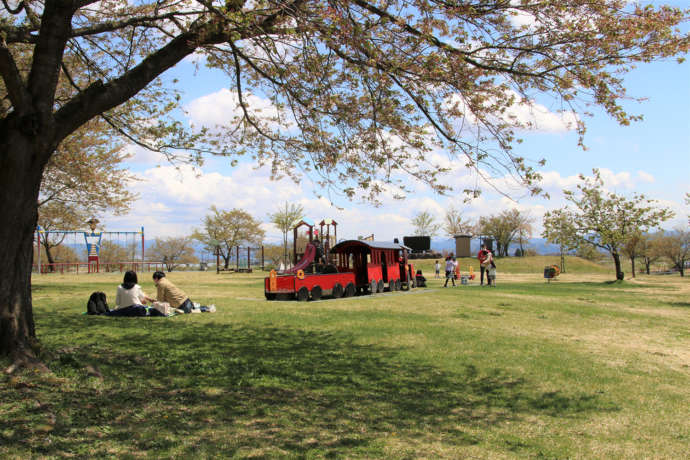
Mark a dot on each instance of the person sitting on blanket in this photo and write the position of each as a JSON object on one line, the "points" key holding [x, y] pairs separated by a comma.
{"points": [[168, 292], [129, 292]]}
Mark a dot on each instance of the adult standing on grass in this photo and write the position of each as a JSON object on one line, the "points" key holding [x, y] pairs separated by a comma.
{"points": [[450, 270], [168, 292], [437, 269], [485, 257]]}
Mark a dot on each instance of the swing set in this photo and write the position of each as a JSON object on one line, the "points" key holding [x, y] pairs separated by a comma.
{"points": [[99, 245]]}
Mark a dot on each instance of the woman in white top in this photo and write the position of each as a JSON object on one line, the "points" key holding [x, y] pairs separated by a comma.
{"points": [[129, 292]]}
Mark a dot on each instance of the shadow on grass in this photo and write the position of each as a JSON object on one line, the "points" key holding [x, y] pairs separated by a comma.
{"points": [[186, 388], [680, 304], [568, 288]]}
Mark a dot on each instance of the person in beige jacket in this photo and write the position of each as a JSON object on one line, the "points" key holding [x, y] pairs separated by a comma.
{"points": [[168, 292]]}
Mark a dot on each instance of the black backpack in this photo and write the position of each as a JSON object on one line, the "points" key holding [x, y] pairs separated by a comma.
{"points": [[97, 304]]}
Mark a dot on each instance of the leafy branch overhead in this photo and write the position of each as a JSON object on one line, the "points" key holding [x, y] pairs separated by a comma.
{"points": [[360, 91]]}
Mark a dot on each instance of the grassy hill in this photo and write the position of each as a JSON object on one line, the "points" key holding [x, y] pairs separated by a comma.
{"points": [[529, 264]]}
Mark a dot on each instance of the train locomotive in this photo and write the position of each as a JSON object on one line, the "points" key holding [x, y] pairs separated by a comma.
{"points": [[349, 268]]}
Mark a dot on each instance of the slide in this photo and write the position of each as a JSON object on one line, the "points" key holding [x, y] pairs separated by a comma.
{"points": [[309, 254]]}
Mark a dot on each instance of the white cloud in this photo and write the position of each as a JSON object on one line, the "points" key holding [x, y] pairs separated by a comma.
{"points": [[612, 180], [552, 181], [174, 201], [221, 107], [528, 115], [645, 176], [520, 18], [140, 155]]}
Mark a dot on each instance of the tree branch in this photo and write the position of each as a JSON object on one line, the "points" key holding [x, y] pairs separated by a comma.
{"points": [[15, 34], [111, 26], [99, 97], [238, 81], [16, 90], [435, 41], [45, 68], [16, 10]]}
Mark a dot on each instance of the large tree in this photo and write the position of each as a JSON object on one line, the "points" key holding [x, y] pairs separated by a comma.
{"points": [[675, 246], [455, 224], [224, 230], [650, 249], [505, 227], [358, 88], [172, 252], [285, 219], [84, 178], [607, 220], [425, 224], [558, 229], [55, 218]]}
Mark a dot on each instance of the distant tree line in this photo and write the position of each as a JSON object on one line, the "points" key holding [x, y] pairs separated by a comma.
{"points": [[595, 222]]}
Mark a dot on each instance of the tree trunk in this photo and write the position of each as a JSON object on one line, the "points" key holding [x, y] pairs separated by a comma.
{"points": [[285, 249], [632, 262], [21, 166], [647, 263], [49, 255], [617, 261]]}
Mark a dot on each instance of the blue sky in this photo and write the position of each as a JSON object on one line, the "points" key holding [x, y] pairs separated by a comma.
{"points": [[651, 156]]}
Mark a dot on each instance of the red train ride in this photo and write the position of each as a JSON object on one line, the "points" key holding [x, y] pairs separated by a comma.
{"points": [[348, 268]]}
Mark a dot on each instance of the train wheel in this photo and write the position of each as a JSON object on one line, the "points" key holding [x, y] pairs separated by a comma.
{"points": [[373, 286], [337, 291], [270, 296], [316, 292], [379, 288], [398, 285], [350, 290], [303, 294]]}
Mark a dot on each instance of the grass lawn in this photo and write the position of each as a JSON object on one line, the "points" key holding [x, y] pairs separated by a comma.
{"points": [[578, 368]]}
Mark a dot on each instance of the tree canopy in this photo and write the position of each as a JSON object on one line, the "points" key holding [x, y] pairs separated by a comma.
{"points": [[84, 178], [360, 91], [425, 224], [675, 246], [605, 219], [223, 230], [454, 224], [285, 219], [172, 252], [505, 227]]}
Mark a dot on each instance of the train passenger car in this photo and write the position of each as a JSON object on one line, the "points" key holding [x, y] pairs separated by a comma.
{"points": [[355, 267], [377, 265]]}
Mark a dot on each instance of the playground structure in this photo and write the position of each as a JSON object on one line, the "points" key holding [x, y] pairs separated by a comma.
{"points": [[93, 240], [242, 264], [316, 237], [340, 270]]}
